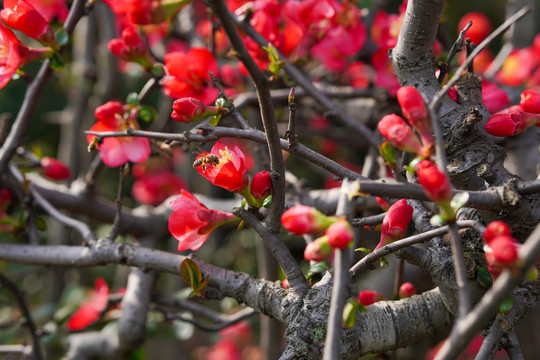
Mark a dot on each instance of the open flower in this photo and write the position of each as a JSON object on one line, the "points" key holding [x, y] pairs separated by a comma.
{"points": [[116, 151], [191, 222], [22, 16], [224, 167]]}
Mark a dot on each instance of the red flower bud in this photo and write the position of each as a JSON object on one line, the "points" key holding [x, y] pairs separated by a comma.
{"points": [[368, 297], [340, 234], [108, 112], [131, 37], [317, 250], [285, 283], [435, 183], [301, 219], [119, 48], [406, 290], [511, 123], [415, 111], [55, 169], [383, 204], [395, 222], [501, 253], [494, 229], [261, 185], [399, 134], [189, 109], [530, 101]]}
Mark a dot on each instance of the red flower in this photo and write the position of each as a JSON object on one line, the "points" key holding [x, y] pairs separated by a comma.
{"points": [[530, 101], [224, 166], [261, 185], [368, 297], [154, 188], [189, 109], [480, 28], [493, 97], [395, 222], [494, 229], [191, 222], [406, 290], [301, 219], [116, 151], [317, 250], [340, 234], [91, 309], [51, 9], [55, 169], [400, 134], [511, 121], [10, 54], [22, 16], [435, 183], [415, 111], [145, 12], [188, 75]]}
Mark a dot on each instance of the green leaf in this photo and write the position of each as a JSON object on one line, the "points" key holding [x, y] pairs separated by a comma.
{"points": [[459, 200], [241, 225], [40, 224], [214, 120], [56, 62], [362, 308], [437, 220], [383, 262], [388, 153], [411, 168], [158, 70], [364, 250], [349, 313], [316, 268], [506, 305], [191, 273], [267, 202], [132, 99], [484, 277], [146, 113], [62, 37], [220, 102]]}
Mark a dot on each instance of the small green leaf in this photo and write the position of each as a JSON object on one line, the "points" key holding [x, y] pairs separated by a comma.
{"points": [[191, 273], [437, 220], [532, 273], [506, 305], [146, 113], [267, 202], [364, 250], [383, 262], [132, 99], [316, 268], [388, 153], [62, 37], [411, 168], [459, 200], [40, 224], [241, 225], [214, 120], [220, 102], [349, 313], [56, 62], [484, 277], [362, 308], [158, 70]]}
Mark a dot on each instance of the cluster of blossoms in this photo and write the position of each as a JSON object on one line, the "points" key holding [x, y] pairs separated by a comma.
{"points": [[518, 118], [399, 133], [305, 220]]}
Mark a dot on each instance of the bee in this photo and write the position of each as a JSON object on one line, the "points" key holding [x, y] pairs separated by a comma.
{"points": [[206, 160]]}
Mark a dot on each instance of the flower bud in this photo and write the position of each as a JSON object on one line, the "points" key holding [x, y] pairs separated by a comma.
{"points": [[395, 222], [190, 109], [340, 234], [415, 111], [406, 290], [493, 97], [118, 48], [317, 250], [382, 203], [399, 134], [301, 219], [504, 250], [435, 183], [508, 124], [261, 185], [285, 283], [131, 37], [55, 169], [107, 113], [530, 101], [368, 297], [494, 229]]}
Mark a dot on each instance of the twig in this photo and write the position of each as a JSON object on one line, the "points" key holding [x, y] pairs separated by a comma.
{"points": [[115, 230], [513, 349], [456, 47], [147, 89], [464, 330], [280, 252], [461, 273], [224, 321], [489, 346], [368, 221], [12, 287], [340, 286], [231, 107], [290, 135], [369, 259]]}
